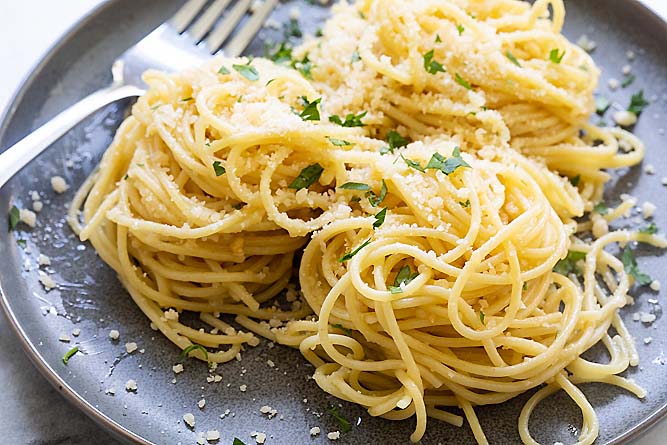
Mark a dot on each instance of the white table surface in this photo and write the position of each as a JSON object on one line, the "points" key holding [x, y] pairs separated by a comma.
{"points": [[38, 414]]}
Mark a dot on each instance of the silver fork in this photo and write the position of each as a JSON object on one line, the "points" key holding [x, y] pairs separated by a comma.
{"points": [[170, 47]]}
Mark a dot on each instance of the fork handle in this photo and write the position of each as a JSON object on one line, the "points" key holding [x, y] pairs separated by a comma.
{"points": [[23, 152]]}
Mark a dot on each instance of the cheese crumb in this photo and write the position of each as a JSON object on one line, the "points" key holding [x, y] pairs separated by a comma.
{"points": [[189, 419], [43, 260], [201, 404], [59, 184], [613, 84], [110, 391], [586, 43], [130, 347], [114, 334], [171, 315], [648, 340], [625, 118], [314, 431], [131, 385], [212, 435], [64, 338], [37, 206], [76, 332], [648, 209], [649, 169], [177, 368], [334, 435], [647, 318], [28, 217], [655, 285], [243, 388], [46, 281], [260, 438]]}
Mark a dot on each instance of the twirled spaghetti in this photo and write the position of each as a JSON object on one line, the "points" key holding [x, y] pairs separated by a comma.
{"points": [[427, 272]]}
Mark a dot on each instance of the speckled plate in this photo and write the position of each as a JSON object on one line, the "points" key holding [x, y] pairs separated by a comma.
{"points": [[90, 298]]}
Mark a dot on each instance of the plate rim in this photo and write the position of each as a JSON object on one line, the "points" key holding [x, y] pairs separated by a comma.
{"points": [[77, 400]]}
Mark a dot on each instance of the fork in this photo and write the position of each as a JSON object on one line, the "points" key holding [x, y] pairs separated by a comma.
{"points": [[197, 30]]}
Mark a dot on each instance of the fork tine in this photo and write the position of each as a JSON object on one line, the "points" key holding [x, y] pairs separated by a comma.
{"points": [[207, 20], [243, 38], [217, 37], [186, 14]]}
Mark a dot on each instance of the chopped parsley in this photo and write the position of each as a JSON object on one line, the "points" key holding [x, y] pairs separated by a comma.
{"points": [[342, 328], [247, 71], [282, 54], [310, 111], [465, 204], [304, 66], [355, 186], [555, 56], [238, 205], [348, 256], [342, 421], [351, 120], [68, 355], [355, 56], [449, 165], [22, 243], [650, 229], [460, 29], [568, 264], [575, 180], [413, 164], [379, 218], [404, 277], [292, 29], [223, 70], [307, 177], [219, 169], [187, 99], [628, 81], [512, 59], [238, 441], [601, 208], [395, 140], [14, 217], [438, 39], [637, 103], [631, 267], [482, 317], [431, 66], [461, 81], [339, 142], [376, 200], [602, 104], [193, 347]]}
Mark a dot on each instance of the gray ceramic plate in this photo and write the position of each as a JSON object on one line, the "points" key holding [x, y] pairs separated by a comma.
{"points": [[91, 299]]}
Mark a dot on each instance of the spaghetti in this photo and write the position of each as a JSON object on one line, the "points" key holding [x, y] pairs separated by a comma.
{"points": [[429, 273]]}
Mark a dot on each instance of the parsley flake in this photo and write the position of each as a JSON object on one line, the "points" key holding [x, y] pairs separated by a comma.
{"points": [[601, 208], [650, 229], [342, 421], [247, 71], [351, 120], [355, 56], [482, 317], [568, 264], [338, 142], [14, 217], [395, 140], [431, 66], [449, 165], [310, 111], [461, 81], [348, 256], [307, 177], [68, 355], [512, 59], [187, 99], [638, 103], [575, 180], [376, 200], [355, 186], [602, 104], [238, 441], [438, 39], [193, 347], [465, 204], [628, 81], [379, 218], [413, 164], [342, 328], [631, 267], [555, 56], [404, 277], [219, 169], [460, 29], [223, 70]]}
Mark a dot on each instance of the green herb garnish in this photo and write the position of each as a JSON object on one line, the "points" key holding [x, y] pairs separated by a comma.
{"points": [[638, 103], [465, 204], [355, 56], [342, 328], [355, 186], [14, 217], [186, 352], [568, 264], [310, 111], [219, 169], [413, 164], [460, 29], [461, 81], [601, 208], [512, 58], [628, 81], [292, 29], [482, 316], [379, 218], [307, 177], [22, 243], [68, 355], [238, 441], [449, 165], [431, 66], [438, 39], [575, 180], [555, 56], [338, 142], [631, 267], [376, 200], [247, 71], [395, 140], [223, 70], [344, 424], [650, 229], [187, 99], [602, 104], [351, 120], [404, 277], [348, 256]]}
